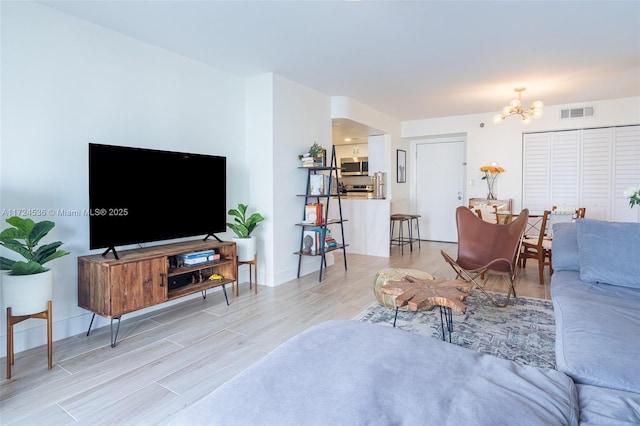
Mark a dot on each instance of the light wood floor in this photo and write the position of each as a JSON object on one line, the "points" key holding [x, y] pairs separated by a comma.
{"points": [[168, 359]]}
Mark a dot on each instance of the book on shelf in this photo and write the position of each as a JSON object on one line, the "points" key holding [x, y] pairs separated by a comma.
{"points": [[313, 213], [312, 241], [316, 184], [312, 161]]}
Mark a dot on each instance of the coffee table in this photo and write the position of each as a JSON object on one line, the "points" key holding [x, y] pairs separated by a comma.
{"points": [[419, 294]]}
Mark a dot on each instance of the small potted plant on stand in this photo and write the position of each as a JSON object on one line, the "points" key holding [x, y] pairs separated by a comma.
{"points": [[243, 226], [28, 285]]}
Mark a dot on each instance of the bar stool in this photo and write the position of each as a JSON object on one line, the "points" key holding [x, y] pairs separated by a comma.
{"points": [[415, 217], [253, 266], [401, 240]]}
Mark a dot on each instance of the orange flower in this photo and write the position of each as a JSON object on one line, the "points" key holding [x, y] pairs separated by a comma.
{"points": [[491, 169]]}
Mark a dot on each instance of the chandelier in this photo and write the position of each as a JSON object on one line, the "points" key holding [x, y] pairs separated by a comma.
{"points": [[515, 108]]}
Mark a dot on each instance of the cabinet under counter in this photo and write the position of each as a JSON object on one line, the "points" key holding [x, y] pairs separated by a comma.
{"points": [[367, 225]]}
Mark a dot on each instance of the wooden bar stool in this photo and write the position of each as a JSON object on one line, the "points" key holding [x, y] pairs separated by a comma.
{"points": [[253, 265], [401, 240], [415, 217], [12, 320]]}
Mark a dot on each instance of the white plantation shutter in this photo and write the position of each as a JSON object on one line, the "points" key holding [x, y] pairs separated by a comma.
{"points": [[596, 172], [626, 168], [583, 168], [565, 168], [536, 183]]}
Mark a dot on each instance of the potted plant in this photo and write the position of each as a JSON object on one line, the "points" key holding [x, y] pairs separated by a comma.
{"points": [[27, 285], [243, 226]]}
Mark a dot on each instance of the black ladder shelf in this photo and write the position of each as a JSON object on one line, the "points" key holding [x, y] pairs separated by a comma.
{"points": [[330, 170]]}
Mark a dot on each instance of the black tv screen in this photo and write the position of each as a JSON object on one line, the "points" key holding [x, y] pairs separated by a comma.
{"points": [[141, 195]]}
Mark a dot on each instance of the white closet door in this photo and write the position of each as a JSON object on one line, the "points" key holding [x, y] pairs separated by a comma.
{"points": [[536, 185], [596, 172], [565, 168], [626, 168], [583, 168]]}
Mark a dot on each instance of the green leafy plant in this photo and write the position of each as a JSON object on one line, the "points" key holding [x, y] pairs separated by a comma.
{"points": [[316, 150], [23, 238], [243, 226]]}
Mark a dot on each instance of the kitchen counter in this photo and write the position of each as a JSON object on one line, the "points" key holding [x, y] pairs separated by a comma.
{"points": [[366, 230], [356, 196]]}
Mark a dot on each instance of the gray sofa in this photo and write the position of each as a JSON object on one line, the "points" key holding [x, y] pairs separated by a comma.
{"points": [[351, 373], [595, 289]]}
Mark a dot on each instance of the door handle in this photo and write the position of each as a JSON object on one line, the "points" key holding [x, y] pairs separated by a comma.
{"points": [[459, 195]]}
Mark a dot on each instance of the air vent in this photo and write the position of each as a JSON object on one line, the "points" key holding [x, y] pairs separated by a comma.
{"points": [[570, 113]]}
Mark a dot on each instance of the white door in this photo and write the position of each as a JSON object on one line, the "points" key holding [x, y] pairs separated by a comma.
{"points": [[439, 187]]}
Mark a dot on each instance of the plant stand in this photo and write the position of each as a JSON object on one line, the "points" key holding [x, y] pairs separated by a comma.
{"points": [[12, 320], [253, 266]]}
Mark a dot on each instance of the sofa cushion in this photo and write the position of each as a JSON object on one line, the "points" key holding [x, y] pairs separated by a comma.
{"points": [[565, 247], [602, 406], [353, 373], [568, 283], [609, 252], [597, 339]]}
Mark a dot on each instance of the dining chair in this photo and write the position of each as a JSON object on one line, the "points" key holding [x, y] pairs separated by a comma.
{"points": [[488, 212], [579, 211], [538, 247], [476, 210]]}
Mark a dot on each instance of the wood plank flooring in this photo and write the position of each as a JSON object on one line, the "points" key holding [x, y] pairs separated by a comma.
{"points": [[169, 358]]}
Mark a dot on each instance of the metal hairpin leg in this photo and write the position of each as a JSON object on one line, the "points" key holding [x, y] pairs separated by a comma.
{"points": [[445, 313], [113, 338], [224, 290]]}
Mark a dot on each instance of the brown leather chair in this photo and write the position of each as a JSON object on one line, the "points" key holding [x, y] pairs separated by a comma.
{"points": [[487, 248]]}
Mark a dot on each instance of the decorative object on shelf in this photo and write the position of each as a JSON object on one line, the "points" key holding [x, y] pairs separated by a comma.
{"points": [[315, 157], [316, 150], [633, 194], [27, 287], [515, 108], [243, 226], [491, 173], [401, 173]]}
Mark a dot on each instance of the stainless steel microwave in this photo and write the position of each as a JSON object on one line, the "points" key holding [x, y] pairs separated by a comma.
{"points": [[354, 166]]}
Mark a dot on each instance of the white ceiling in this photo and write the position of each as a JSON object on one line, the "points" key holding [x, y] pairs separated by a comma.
{"points": [[407, 59]]}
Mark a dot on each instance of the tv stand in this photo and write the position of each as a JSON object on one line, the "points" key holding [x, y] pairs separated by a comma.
{"points": [[149, 276], [113, 249]]}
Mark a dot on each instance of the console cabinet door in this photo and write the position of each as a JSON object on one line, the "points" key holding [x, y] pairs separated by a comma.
{"points": [[136, 285]]}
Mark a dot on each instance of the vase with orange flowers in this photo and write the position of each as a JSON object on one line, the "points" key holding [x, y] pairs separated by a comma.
{"points": [[491, 173]]}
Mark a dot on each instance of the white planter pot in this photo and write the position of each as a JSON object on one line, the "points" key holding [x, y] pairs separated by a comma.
{"points": [[245, 248], [27, 294]]}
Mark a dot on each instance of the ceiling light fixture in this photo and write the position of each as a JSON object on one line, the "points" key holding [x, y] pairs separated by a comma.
{"points": [[515, 108]]}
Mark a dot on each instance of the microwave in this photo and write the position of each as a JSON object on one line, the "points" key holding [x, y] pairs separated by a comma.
{"points": [[354, 166]]}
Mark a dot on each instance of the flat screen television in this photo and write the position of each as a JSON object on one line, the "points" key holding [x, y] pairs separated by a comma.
{"points": [[141, 195]]}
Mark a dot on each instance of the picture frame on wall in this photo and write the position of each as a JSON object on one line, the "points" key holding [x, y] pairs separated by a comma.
{"points": [[401, 172]]}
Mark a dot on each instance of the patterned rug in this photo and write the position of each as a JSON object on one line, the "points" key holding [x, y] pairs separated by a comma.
{"points": [[523, 331]]}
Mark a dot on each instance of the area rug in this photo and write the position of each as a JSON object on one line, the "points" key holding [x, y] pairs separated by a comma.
{"points": [[523, 331]]}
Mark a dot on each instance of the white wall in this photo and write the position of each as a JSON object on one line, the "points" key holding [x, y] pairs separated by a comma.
{"points": [[66, 83], [502, 142], [302, 116], [283, 120]]}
